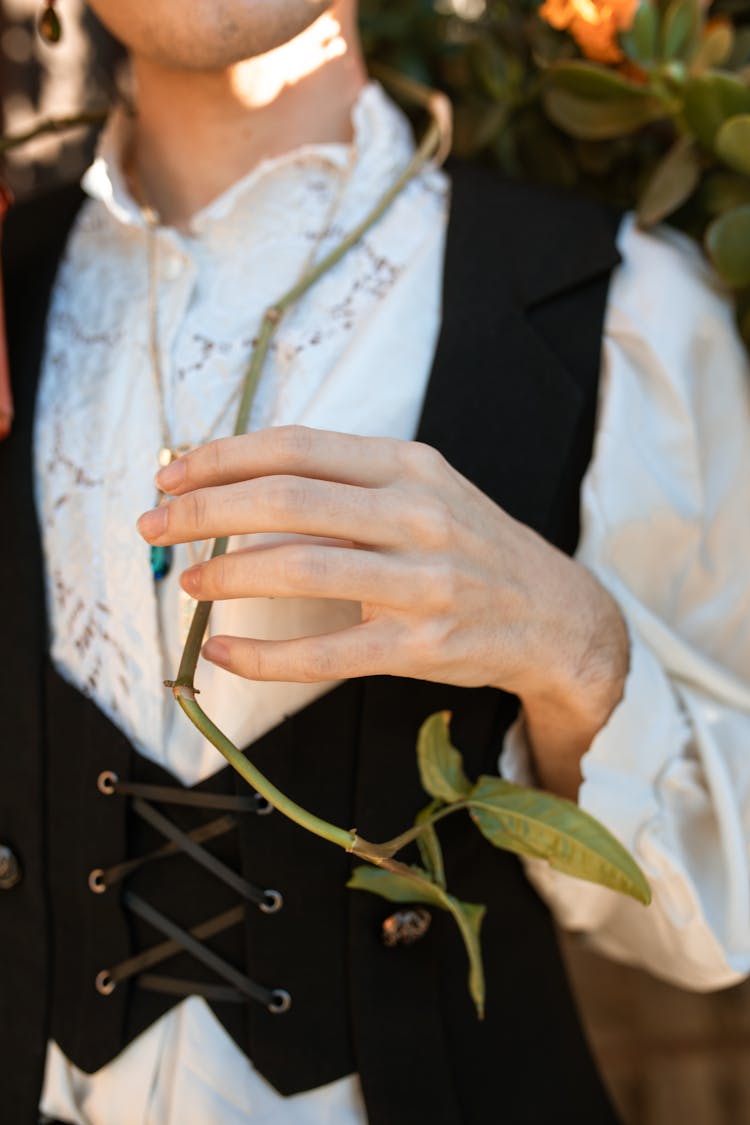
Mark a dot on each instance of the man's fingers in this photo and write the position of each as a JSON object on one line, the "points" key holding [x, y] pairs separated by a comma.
{"points": [[301, 571], [276, 504], [364, 650], [285, 450]]}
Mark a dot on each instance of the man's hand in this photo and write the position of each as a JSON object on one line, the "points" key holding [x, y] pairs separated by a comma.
{"points": [[452, 588]]}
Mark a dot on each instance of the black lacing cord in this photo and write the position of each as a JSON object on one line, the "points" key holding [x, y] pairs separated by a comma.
{"points": [[103, 877], [269, 901], [108, 979], [174, 986], [109, 783], [201, 952], [277, 1000]]}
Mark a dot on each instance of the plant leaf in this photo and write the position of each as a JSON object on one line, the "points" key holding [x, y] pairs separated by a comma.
{"points": [[469, 917], [732, 143], [395, 887], [537, 824], [722, 191], [429, 845], [728, 244], [714, 47], [679, 30], [589, 81], [594, 103], [710, 99], [641, 42], [440, 763], [416, 888], [673, 180], [592, 121], [740, 54]]}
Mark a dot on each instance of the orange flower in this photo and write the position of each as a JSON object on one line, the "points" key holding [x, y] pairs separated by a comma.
{"points": [[594, 24]]}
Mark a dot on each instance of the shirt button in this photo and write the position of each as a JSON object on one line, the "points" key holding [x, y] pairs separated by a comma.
{"points": [[10, 869], [173, 267]]}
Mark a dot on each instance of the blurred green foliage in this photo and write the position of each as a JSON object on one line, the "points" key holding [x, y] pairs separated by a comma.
{"points": [[665, 132], [493, 68]]}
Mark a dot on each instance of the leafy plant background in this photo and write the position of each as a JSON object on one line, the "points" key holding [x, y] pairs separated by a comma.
{"points": [[489, 56], [657, 120]]}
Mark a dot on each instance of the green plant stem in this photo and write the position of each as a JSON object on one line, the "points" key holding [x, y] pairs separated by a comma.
{"points": [[348, 840], [392, 847], [263, 786]]}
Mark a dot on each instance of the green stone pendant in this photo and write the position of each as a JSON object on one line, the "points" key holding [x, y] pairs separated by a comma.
{"points": [[49, 26], [161, 562]]}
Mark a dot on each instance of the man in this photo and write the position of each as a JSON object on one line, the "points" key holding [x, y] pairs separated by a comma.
{"points": [[424, 579]]}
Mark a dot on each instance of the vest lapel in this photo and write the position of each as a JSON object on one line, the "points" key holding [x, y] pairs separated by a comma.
{"points": [[502, 406]]}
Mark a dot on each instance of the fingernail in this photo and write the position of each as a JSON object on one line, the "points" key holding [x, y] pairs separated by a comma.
{"points": [[171, 475], [190, 579], [152, 524], [217, 652]]}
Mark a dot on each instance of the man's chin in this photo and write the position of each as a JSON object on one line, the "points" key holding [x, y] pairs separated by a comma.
{"points": [[206, 35]]}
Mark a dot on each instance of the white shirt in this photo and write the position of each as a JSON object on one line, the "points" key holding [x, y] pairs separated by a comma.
{"points": [[664, 526]]}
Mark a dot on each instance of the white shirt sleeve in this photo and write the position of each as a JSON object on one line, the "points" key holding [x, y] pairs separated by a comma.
{"points": [[666, 528]]}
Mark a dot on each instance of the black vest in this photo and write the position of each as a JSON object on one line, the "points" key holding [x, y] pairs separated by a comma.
{"points": [[511, 404]]}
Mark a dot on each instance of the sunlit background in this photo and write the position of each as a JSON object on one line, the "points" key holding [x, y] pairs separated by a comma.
{"points": [[37, 82]]}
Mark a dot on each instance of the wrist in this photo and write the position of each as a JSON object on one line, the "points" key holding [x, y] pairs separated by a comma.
{"points": [[566, 709]]}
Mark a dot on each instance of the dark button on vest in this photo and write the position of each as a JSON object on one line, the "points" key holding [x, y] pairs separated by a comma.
{"points": [[10, 869], [511, 404]]}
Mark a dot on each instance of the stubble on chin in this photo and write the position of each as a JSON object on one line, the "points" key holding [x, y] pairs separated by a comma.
{"points": [[206, 35]]}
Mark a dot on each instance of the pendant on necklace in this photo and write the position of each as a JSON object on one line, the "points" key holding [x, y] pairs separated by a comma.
{"points": [[161, 562]]}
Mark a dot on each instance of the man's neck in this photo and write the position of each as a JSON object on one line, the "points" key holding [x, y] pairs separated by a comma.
{"points": [[197, 133]]}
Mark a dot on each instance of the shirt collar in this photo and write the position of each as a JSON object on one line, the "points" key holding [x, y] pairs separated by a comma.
{"points": [[381, 144]]}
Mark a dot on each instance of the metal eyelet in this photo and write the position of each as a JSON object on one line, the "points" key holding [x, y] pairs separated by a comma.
{"points": [[106, 782], [280, 1003], [104, 983], [264, 806], [274, 902], [97, 885]]}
